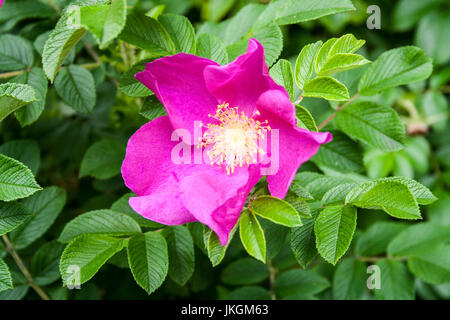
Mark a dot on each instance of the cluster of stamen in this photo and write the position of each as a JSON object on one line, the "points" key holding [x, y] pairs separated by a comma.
{"points": [[234, 140]]}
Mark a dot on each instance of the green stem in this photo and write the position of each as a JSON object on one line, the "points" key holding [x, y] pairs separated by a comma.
{"points": [[11, 74], [272, 275], [331, 117], [23, 268]]}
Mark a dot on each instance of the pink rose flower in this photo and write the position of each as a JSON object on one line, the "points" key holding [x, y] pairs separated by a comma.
{"points": [[237, 105]]}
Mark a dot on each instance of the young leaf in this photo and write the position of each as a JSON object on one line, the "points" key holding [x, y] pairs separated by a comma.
{"points": [[45, 207], [244, 271], [16, 180], [12, 215], [14, 96], [215, 251], [305, 119], [85, 255], [180, 30], [346, 44], [76, 86], [16, 53], [5, 277], [341, 62], [322, 55], [327, 88], [147, 33], [252, 236], [148, 260], [334, 228], [304, 65], [396, 283], [395, 67], [102, 160], [422, 194], [276, 210], [59, 44], [281, 72], [373, 124], [349, 280], [99, 222], [211, 47], [394, 197], [181, 253]]}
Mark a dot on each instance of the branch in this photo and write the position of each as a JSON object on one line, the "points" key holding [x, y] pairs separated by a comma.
{"points": [[331, 117], [272, 274], [11, 74], [24, 269]]}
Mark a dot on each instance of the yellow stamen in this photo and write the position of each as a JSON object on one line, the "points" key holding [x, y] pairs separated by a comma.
{"points": [[234, 140]]}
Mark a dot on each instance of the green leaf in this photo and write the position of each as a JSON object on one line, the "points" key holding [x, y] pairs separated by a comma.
{"points": [[147, 33], [304, 282], [84, 256], [432, 265], [102, 160], [376, 125], [14, 96], [123, 206], [129, 85], [337, 194], [341, 154], [5, 277], [334, 228], [241, 23], [181, 31], [281, 72], [432, 35], [249, 293], [418, 238], [345, 44], [271, 38], [395, 67], [15, 11], [252, 236], [375, 239], [76, 86], [408, 12], [422, 194], [59, 44], [100, 222], [303, 239], [300, 191], [322, 54], [105, 22], [291, 12], [244, 271], [304, 65], [394, 197], [45, 207], [152, 108], [396, 283], [16, 53], [211, 47], [216, 252], [341, 62], [327, 88], [299, 204], [12, 215], [45, 263], [276, 210], [16, 180], [181, 253], [31, 112], [25, 151], [305, 119], [148, 260], [349, 281]]}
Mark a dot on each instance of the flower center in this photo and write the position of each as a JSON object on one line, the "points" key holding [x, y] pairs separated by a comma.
{"points": [[234, 140]]}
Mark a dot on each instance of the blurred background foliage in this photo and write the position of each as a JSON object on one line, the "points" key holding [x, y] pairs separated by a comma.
{"points": [[63, 137]]}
